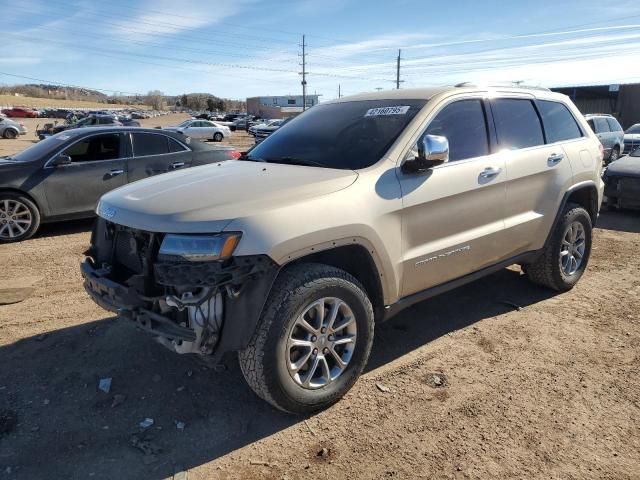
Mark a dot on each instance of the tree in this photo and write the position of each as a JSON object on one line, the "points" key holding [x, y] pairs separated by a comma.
{"points": [[155, 99], [211, 104]]}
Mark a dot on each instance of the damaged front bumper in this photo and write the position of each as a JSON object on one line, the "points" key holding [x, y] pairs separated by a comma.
{"points": [[192, 307]]}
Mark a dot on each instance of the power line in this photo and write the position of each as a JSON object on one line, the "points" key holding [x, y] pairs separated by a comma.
{"points": [[52, 82]]}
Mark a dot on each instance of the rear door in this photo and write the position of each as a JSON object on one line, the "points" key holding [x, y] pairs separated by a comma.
{"points": [[538, 169], [155, 153], [604, 134], [97, 166]]}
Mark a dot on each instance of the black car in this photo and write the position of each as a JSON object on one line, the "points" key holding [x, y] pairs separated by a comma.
{"points": [[622, 182], [93, 120], [64, 176]]}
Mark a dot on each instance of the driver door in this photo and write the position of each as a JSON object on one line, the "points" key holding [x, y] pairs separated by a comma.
{"points": [[97, 166], [453, 214]]}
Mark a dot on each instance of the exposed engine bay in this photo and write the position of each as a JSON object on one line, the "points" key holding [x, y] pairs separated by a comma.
{"points": [[190, 306]]}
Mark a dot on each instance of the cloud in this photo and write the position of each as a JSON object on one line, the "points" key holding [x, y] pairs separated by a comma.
{"points": [[155, 20]]}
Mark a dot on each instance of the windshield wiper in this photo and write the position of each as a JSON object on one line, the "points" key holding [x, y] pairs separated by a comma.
{"points": [[295, 161]]}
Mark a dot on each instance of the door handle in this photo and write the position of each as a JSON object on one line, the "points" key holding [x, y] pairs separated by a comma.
{"points": [[177, 165], [115, 173], [554, 158], [490, 172]]}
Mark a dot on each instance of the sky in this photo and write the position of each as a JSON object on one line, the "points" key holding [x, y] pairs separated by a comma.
{"points": [[243, 48]]}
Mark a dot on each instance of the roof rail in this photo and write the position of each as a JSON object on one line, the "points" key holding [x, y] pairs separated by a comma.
{"points": [[598, 115], [506, 84]]}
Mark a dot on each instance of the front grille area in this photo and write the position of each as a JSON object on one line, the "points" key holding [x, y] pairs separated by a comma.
{"points": [[127, 252]]}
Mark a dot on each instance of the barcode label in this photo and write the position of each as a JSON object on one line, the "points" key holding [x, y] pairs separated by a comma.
{"points": [[397, 110]]}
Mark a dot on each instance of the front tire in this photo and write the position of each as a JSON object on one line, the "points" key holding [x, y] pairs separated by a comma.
{"points": [[313, 340], [567, 252], [19, 217]]}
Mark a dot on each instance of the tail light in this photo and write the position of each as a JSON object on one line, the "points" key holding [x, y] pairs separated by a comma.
{"points": [[235, 154]]}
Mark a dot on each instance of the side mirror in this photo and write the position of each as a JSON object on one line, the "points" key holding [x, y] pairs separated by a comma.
{"points": [[61, 159], [433, 150]]}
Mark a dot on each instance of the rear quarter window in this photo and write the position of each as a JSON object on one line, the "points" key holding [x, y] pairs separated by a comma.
{"points": [[559, 123]]}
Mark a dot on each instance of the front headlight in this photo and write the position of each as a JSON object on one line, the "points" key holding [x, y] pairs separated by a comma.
{"points": [[198, 248]]}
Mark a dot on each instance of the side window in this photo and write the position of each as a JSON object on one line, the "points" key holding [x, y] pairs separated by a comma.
{"points": [[601, 125], [97, 147], [174, 146], [517, 123], [614, 126], [465, 126], [591, 124], [559, 123], [149, 144]]}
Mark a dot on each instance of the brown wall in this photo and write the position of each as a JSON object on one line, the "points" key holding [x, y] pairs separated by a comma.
{"points": [[624, 104]]}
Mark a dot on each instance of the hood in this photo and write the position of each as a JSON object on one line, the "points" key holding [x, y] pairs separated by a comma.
{"points": [[624, 167], [206, 199]]}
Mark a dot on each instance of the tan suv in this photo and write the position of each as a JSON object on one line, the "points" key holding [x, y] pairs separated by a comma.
{"points": [[349, 213]]}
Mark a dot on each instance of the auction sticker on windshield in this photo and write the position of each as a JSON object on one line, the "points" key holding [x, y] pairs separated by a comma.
{"points": [[398, 110]]}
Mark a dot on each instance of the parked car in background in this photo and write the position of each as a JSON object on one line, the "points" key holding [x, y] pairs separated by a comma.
{"points": [[262, 132], [63, 176], [11, 129], [610, 134], [622, 182], [20, 112], [632, 138], [93, 120], [356, 209], [202, 130]]}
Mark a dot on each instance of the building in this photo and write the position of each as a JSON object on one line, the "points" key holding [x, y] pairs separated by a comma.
{"points": [[282, 106], [621, 101]]}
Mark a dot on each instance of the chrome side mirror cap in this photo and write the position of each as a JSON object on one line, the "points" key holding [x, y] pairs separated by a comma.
{"points": [[433, 150]]}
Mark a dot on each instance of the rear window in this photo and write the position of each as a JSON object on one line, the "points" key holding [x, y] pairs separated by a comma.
{"points": [[634, 129], [145, 144], [517, 123], [614, 126], [559, 123], [345, 135]]}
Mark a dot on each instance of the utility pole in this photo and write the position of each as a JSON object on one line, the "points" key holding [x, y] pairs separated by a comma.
{"points": [[398, 71], [304, 74], [339, 93]]}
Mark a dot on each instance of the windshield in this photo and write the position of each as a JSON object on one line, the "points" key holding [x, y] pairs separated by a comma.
{"points": [[345, 135], [185, 123], [634, 129], [43, 147]]}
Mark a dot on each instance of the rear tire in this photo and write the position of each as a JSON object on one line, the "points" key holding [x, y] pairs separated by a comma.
{"points": [[291, 362], [614, 155], [19, 217], [217, 137], [10, 134], [566, 254]]}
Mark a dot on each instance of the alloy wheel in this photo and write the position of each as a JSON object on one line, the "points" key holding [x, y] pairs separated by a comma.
{"points": [[15, 219], [572, 248], [321, 343]]}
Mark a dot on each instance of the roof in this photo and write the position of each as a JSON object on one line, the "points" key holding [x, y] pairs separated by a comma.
{"points": [[193, 144]]}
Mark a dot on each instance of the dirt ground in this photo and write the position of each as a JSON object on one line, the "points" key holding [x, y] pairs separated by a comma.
{"points": [[9, 147], [498, 379]]}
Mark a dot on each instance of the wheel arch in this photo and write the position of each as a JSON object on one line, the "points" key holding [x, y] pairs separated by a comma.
{"points": [[355, 259], [584, 194], [24, 194]]}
